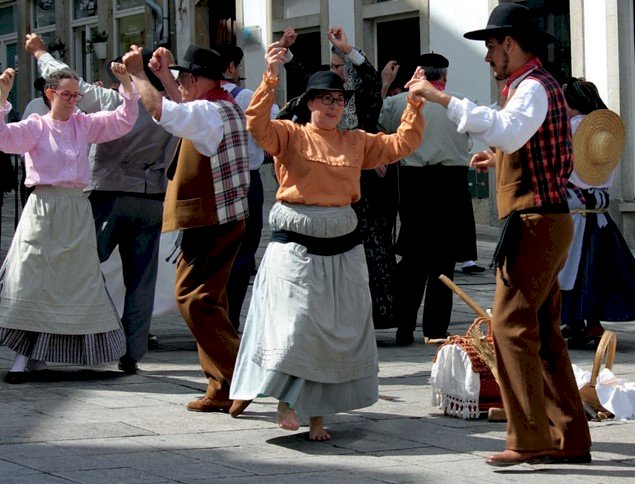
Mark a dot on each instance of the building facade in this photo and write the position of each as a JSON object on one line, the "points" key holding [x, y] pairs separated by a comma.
{"points": [[596, 41]]}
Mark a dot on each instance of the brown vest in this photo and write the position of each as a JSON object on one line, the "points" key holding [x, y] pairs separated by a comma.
{"points": [[189, 200], [513, 190], [513, 187]]}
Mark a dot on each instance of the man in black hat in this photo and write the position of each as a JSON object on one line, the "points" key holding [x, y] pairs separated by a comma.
{"points": [[433, 188], [531, 134], [206, 199], [127, 190]]}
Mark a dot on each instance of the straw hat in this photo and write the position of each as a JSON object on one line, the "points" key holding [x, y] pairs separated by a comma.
{"points": [[597, 146]]}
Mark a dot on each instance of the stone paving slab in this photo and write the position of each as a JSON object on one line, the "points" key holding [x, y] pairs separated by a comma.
{"points": [[99, 426]]}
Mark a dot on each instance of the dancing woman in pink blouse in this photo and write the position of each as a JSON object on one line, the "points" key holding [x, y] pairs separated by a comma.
{"points": [[53, 303]]}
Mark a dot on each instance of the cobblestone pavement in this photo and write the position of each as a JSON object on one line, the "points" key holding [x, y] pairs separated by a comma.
{"points": [[96, 425]]}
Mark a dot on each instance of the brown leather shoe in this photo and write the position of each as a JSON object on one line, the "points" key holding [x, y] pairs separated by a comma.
{"points": [[205, 404], [513, 457], [562, 457], [238, 407]]}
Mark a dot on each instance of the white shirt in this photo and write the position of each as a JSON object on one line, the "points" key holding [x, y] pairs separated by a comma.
{"points": [[198, 121], [510, 127]]}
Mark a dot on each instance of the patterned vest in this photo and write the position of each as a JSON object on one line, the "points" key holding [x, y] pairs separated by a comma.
{"points": [[204, 190], [536, 175]]}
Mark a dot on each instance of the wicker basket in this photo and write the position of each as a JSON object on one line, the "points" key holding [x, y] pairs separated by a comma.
{"points": [[479, 346], [605, 353]]}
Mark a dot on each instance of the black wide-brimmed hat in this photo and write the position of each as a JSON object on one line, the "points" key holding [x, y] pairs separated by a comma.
{"points": [[511, 18], [147, 55], [325, 81], [203, 62], [432, 59]]}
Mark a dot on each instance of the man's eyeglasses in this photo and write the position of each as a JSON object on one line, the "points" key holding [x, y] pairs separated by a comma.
{"points": [[68, 96], [182, 76], [336, 66], [327, 100]]}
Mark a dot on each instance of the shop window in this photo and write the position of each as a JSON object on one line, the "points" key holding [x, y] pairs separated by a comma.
{"points": [[8, 20], [126, 4], [43, 13], [84, 8], [131, 31], [554, 17]]}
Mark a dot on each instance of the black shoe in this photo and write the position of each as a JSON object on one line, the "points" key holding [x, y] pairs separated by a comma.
{"points": [[472, 269], [404, 339], [16, 377], [153, 342], [128, 365]]}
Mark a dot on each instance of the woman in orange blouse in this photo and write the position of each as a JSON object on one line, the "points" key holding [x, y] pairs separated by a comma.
{"points": [[309, 340]]}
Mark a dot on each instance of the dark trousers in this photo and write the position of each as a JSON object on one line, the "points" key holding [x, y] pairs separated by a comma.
{"points": [[433, 213], [245, 262], [134, 224], [414, 277], [540, 395], [202, 271]]}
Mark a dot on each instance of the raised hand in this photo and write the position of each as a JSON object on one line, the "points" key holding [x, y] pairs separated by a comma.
{"points": [[288, 37], [275, 57], [6, 83], [161, 59], [133, 60], [34, 45], [337, 37], [389, 72], [121, 73], [418, 83]]}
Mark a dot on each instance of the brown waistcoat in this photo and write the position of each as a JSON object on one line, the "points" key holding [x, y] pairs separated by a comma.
{"points": [[189, 199]]}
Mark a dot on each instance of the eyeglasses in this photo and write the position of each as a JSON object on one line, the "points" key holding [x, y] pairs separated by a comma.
{"points": [[336, 66], [68, 96], [182, 76], [327, 100]]}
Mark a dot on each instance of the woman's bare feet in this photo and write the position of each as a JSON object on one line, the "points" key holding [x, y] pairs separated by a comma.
{"points": [[316, 430], [287, 417]]}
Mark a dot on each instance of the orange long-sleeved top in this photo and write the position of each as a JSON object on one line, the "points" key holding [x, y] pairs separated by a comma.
{"points": [[322, 167]]}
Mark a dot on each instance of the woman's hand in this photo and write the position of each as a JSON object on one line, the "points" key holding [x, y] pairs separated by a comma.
{"points": [[6, 83], [275, 57], [482, 160], [416, 84], [121, 73]]}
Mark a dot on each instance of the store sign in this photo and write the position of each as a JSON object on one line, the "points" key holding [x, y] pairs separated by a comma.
{"points": [[46, 4], [88, 6]]}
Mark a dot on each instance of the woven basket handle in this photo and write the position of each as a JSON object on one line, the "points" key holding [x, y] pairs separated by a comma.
{"points": [[477, 324], [606, 351]]}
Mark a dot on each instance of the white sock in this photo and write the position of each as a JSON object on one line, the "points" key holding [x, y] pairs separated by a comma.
{"points": [[468, 263], [19, 363]]}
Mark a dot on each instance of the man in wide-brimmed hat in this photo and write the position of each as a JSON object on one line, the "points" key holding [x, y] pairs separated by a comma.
{"points": [[531, 134], [126, 202], [206, 199]]}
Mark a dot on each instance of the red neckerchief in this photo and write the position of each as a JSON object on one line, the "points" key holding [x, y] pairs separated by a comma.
{"points": [[217, 94], [526, 67], [439, 85]]}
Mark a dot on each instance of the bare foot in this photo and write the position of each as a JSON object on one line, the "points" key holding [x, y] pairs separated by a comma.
{"points": [[316, 430], [286, 417]]}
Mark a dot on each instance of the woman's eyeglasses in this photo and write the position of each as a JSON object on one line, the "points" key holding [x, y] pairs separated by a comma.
{"points": [[68, 96], [327, 100]]}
